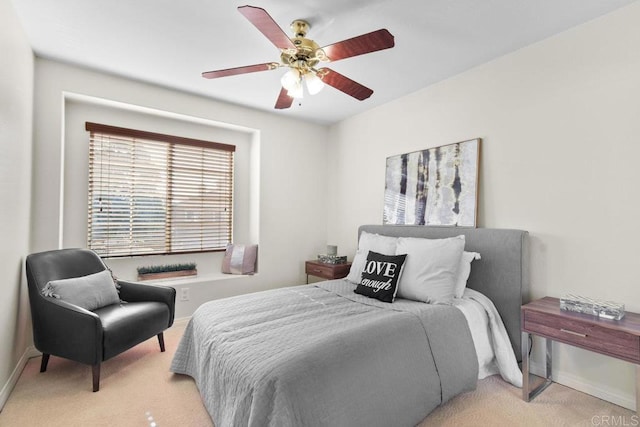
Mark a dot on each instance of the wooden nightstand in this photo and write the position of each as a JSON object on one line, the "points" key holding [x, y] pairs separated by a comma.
{"points": [[326, 271], [615, 338]]}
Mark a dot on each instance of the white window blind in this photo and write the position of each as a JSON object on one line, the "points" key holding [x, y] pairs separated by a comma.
{"points": [[155, 194]]}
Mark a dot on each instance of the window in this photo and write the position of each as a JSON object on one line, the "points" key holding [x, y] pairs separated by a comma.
{"points": [[153, 194]]}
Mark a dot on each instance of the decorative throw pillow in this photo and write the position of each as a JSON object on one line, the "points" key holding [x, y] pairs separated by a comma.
{"points": [[89, 292], [464, 270], [385, 245], [115, 280], [240, 259], [380, 276], [431, 268]]}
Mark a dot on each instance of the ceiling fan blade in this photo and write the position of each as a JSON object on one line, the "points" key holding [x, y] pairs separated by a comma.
{"points": [[240, 70], [366, 43], [267, 26], [284, 100], [344, 84]]}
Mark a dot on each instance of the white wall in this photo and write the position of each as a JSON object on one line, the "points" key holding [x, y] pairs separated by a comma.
{"points": [[16, 101], [560, 126], [283, 172]]}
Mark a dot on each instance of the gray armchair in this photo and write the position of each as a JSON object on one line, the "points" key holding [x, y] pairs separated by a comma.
{"points": [[66, 330]]}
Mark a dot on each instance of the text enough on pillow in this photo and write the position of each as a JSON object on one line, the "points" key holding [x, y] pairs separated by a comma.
{"points": [[380, 276]]}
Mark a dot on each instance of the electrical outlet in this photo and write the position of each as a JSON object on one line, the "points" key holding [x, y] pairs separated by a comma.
{"points": [[184, 294]]}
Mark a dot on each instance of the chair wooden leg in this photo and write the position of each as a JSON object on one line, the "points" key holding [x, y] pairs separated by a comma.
{"points": [[45, 361], [161, 341], [95, 369]]}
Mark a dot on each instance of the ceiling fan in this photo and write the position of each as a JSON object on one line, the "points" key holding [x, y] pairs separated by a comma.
{"points": [[301, 56]]}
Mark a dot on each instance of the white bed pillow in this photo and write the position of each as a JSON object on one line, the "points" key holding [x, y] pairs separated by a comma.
{"points": [[384, 245], [464, 270], [431, 268]]}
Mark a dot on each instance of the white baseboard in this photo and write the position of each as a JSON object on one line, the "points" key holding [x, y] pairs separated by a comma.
{"points": [[597, 390], [13, 378]]}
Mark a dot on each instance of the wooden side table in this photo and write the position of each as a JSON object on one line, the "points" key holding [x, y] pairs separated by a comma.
{"points": [[615, 338], [326, 271]]}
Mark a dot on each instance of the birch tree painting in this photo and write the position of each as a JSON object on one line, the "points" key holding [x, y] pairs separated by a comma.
{"points": [[436, 186]]}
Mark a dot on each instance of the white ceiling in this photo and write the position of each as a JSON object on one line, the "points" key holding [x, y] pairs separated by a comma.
{"points": [[170, 43]]}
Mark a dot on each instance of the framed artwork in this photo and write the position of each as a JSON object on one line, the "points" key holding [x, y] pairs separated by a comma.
{"points": [[435, 186]]}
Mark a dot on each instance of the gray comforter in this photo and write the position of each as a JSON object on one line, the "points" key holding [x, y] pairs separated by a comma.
{"points": [[321, 355]]}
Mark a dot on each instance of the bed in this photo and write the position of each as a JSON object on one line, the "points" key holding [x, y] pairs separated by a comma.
{"points": [[322, 355]]}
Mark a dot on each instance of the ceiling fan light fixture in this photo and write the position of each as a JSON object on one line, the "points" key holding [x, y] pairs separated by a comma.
{"points": [[292, 82], [301, 55], [314, 83], [291, 79], [296, 92]]}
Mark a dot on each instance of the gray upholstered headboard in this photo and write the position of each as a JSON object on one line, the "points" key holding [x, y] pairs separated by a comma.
{"points": [[502, 274]]}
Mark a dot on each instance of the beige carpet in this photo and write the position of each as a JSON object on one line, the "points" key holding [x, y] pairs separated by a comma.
{"points": [[137, 385]]}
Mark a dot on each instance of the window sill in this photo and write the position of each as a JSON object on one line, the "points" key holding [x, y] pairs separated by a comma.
{"points": [[200, 278]]}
